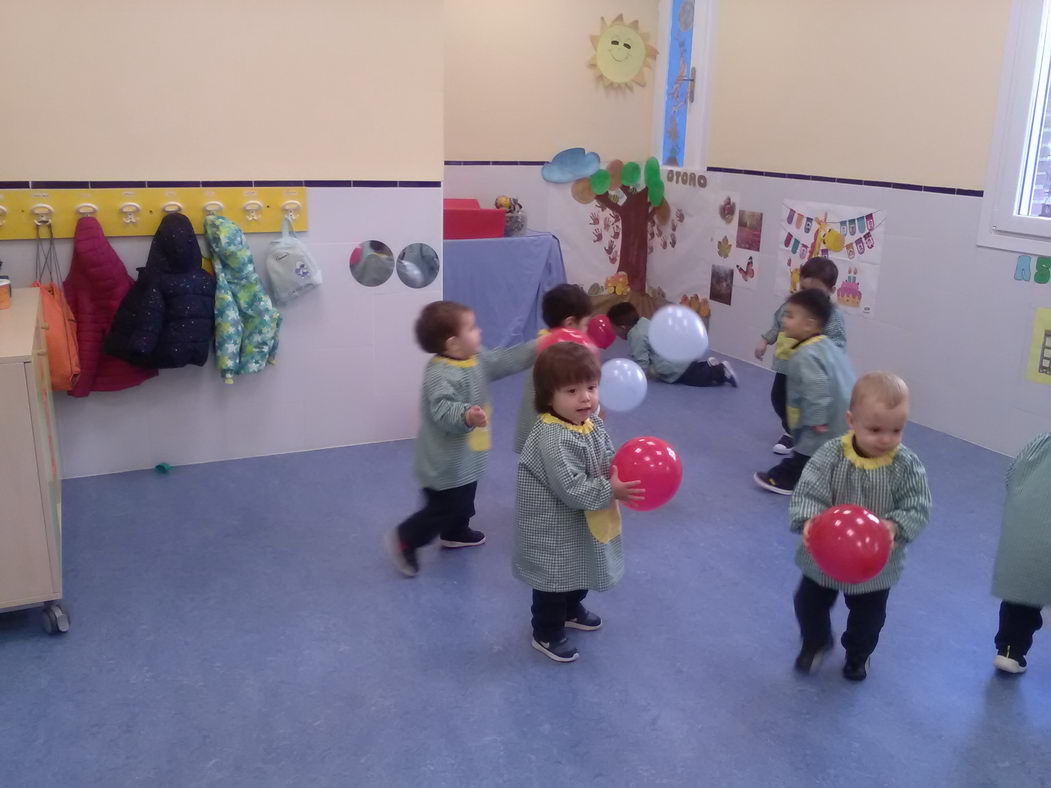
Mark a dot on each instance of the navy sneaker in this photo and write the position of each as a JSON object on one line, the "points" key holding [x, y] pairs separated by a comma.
{"points": [[403, 556], [809, 659], [586, 621], [1005, 663], [784, 446], [768, 483], [731, 376], [855, 669], [467, 538], [559, 651]]}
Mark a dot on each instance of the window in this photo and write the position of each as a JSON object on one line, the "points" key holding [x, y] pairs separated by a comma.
{"points": [[1016, 211], [681, 91]]}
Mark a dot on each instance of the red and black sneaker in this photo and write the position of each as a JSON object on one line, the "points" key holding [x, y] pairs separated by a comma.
{"points": [[403, 556]]}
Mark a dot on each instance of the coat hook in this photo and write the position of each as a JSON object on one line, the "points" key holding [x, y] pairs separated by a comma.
{"points": [[252, 209], [87, 209], [172, 207], [213, 207], [291, 209], [41, 213], [129, 212]]}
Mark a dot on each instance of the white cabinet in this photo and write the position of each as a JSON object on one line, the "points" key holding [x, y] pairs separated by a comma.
{"points": [[30, 476]]}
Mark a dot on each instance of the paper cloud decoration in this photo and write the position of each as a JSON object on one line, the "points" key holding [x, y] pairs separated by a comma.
{"points": [[570, 165]]}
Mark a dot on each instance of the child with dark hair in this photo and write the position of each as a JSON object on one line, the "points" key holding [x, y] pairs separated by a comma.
{"points": [[817, 273], [454, 439], [567, 524], [818, 385], [630, 326], [563, 306]]}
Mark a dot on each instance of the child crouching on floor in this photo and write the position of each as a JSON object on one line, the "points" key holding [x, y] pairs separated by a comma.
{"points": [[567, 522], [867, 467]]}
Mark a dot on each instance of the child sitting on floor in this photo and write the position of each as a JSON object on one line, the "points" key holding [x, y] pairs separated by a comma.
{"points": [[1023, 561], [867, 467], [567, 524], [563, 306], [817, 273], [819, 380], [630, 326], [454, 438]]}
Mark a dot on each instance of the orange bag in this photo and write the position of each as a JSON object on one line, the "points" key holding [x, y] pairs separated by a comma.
{"points": [[60, 327]]}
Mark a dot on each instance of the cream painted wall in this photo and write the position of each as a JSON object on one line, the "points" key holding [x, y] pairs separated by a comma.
{"points": [[517, 84], [256, 89], [899, 90]]}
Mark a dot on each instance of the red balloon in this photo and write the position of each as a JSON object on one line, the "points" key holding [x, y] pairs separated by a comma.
{"points": [[601, 331], [849, 543], [565, 335], [654, 463]]}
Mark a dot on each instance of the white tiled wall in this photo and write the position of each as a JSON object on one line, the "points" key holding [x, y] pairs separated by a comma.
{"points": [[347, 371], [950, 318]]}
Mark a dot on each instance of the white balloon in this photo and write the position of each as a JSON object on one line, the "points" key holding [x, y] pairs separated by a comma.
{"points": [[623, 384], [678, 334]]}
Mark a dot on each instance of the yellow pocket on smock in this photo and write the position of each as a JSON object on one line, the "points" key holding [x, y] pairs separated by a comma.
{"points": [[605, 525], [480, 438], [792, 417], [784, 346]]}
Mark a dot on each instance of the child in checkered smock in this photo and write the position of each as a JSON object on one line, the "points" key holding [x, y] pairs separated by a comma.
{"points": [[453, 441], [567, 523], [867, 467]]}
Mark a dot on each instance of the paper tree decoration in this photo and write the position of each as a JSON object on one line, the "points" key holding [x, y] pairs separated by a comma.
{"points": [[622, 53]]}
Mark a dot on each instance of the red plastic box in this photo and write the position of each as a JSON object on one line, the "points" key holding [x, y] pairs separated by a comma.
{"points": [[466, 219]]}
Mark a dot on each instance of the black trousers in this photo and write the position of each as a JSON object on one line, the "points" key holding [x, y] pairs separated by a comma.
{"points": [[1018, 624], [779, 399], [787, 472], [551, 610], [445, 513], [868, 612], [701, 373]]}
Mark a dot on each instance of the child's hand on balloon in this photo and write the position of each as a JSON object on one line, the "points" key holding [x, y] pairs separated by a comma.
{"points": [[475, 417], [892, 527], [625, 491], [806, 532]]}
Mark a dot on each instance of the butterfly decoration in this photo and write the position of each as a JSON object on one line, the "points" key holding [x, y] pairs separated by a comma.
{"points": [[747, 272]]}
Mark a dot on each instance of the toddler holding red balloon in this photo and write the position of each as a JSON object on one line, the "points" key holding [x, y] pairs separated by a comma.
{"points": [[867, 469], [564, 306], [567, 524]]}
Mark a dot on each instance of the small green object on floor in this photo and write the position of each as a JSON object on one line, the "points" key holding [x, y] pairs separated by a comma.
{"points": [[162, 468]]}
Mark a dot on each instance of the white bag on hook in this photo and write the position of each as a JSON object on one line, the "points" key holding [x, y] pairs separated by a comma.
{"points": [[291, 268]]}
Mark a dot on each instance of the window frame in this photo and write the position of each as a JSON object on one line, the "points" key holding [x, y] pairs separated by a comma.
{"points": [[1023, 84]]}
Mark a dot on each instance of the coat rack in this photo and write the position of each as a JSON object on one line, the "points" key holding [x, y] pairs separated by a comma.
{"points": [[126, 212]]}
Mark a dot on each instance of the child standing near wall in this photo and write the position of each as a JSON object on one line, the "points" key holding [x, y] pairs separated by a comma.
{"points": [[567, 524], [454, 438], [1023, 561], [630, 326], [818, 384], [563, 306], [817, 273], [867, 467]]}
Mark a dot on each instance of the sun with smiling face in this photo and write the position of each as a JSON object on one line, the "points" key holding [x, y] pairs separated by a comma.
{"points": [[622, 53]]}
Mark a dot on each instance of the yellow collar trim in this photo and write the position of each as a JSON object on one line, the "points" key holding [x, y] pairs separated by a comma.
{"points": [[543, 331], [456, 362], [813, 340], [583, 429], [865, 463]]}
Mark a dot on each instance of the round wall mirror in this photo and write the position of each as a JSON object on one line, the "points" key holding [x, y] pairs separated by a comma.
{"points": [[417, 265], [371, 263]]}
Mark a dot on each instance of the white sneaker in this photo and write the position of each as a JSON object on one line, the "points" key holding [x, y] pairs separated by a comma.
{"points": [[731, 376], [1005, 663]]}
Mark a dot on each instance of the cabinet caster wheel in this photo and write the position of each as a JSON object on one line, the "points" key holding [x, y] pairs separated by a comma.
{"points": [[55, 619]]}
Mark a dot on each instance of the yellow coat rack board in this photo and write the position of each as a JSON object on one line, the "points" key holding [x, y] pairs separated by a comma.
{"points": [[123, 212]]}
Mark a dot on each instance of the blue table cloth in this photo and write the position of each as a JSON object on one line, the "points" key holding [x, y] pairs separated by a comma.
{"points": [[503, 281]]}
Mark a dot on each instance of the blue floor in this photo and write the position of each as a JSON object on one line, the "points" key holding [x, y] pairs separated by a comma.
{"points": [[238, 624]]}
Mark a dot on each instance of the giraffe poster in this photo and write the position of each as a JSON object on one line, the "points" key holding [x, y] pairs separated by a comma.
{"points": [[1038, 369], [852, 237]]}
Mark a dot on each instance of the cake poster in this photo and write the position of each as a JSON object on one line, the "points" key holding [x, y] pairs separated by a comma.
{"points": [[851, 236]]}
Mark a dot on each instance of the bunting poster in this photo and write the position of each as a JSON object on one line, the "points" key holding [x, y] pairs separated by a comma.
{"points": [[852, 237]]}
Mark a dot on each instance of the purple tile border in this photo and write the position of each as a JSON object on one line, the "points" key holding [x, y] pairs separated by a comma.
{"points": [[513, 163], [345, 184], [913, 187]]}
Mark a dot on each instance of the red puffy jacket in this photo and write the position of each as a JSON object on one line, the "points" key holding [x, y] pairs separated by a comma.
{"points": [[96, 284]]}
